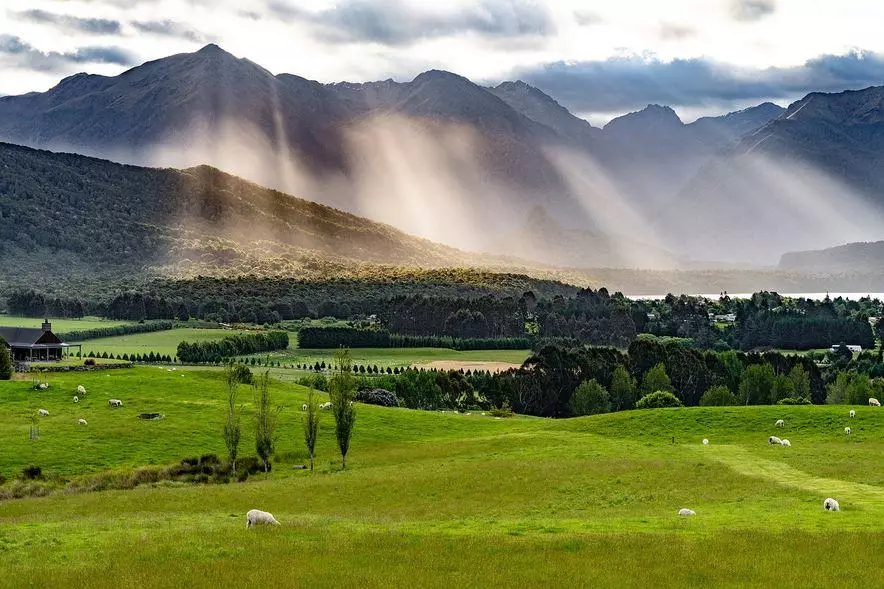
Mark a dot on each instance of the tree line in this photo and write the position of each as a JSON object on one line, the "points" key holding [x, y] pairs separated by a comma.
{"points": [[357, 337], [231, 346], [100, 332]]}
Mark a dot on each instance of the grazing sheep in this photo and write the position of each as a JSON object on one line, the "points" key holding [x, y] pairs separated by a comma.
{"points": [[43, 412], [847, 431], [831, 505], [773, 440], [705, 442], [82, 421], [780, 423], [852, 413], [785, 442], [304, 407], [76, 399], [81, 389], [685, 512], [257, 517], [114, 402], [873, 402]]}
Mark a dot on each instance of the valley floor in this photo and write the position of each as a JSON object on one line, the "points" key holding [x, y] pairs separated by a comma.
{"points": [[442, 499]]}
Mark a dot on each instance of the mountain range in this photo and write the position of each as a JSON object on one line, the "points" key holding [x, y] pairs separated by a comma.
{"points": [[464, 164]]}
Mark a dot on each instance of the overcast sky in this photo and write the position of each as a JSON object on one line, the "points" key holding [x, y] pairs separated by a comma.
{"points": [[598, 58]]}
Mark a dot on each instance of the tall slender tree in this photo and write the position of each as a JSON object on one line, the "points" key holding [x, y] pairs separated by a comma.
{"points": [[341, 391], [311, 425], [231, 428], [265, 420]]}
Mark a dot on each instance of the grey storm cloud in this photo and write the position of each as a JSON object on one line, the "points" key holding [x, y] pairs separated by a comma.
{"points": [[24, 56], [396, 23], [100, 26], [621, 84], [751, 10], [168, 28]]}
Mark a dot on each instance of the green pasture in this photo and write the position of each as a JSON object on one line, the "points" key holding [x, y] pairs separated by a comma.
{"points": [[442, 499], [61, 325], [393, 357], [161, 342]]}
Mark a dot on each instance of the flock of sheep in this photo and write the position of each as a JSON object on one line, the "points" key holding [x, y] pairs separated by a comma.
{"points": [[829, 504], [257, 517], [81, 390]]}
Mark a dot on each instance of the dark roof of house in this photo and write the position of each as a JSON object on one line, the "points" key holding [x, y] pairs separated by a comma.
{"points": [[26, 336]]}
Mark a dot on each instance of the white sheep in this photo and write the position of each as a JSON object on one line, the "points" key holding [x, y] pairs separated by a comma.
{"points": [[705, 442], [780, 423], [873, 402], [852, 413], [114, 402], [773, 440], [325, 406], [785, 442], [43, 386], [43, 412], [82, 421], [81, 389], [831, 505], [848, 431], [685, 512], [304, 407], [76, 399], [257, 517]]}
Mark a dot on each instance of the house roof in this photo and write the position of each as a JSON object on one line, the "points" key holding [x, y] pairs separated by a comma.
{"points": [[27, 336]]}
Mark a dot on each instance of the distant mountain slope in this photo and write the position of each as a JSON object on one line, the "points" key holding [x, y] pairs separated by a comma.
{"points": [[812, 177], [543, 109], [190, 100], [851, 257], [545, 241]]}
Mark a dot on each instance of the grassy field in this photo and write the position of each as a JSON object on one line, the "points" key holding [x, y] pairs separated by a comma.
{"points": [[160, 342], [400, 357], [441, 499], [60, 325]]}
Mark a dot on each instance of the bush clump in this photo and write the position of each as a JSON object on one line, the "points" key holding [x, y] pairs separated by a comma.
{"points": [[718, 396], [381, 397], [794, 401], [658, 400], [32, 473]]}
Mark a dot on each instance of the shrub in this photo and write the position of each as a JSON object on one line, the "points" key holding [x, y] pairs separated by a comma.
{"points": [[502, 411], [718, 396], [89, 362], [658, 400], [241, 374], [32, 473], [590, 398], [794, 401], [5, 361], [381, 397]]}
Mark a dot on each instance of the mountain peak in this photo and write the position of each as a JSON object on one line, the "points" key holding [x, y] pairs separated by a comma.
{"points": [[210, 49], [653, 116]]}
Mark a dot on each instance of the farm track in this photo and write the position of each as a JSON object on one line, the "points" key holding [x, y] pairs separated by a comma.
{"points": [[744, 462]]}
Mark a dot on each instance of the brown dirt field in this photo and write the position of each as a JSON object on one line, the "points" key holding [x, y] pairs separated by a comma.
{"points": [[458, 365]]}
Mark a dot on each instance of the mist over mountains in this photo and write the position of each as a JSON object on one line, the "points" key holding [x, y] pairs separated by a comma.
{"points": [[470, 166]]}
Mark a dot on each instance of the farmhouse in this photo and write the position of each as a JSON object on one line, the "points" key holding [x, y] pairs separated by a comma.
{"points": [[28, 344], [852, 348]]}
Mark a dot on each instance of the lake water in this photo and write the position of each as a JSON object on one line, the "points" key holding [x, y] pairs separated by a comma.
{"points": [[816, 296]]}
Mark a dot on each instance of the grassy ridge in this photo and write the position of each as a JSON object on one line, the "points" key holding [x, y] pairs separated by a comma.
{"points": [[437, 499]]}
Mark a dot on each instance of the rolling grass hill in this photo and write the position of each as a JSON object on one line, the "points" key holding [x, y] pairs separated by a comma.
{"points": [[433, 499]]}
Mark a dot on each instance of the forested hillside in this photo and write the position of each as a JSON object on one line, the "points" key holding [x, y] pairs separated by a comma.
{"points": [[104, 219]]}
